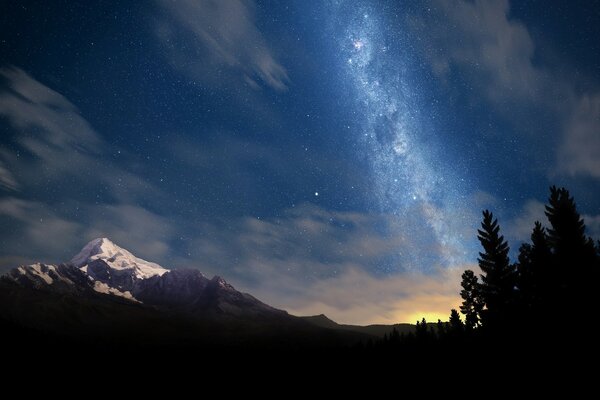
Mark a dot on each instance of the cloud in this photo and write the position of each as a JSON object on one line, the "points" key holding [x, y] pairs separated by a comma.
{"points": [[348, 265], [592, 223], [35, 229], [483, 200], [52, 237], [7, 181], [481, 38], [519, 228], [53, 146], [494, 52], [132, 227], [355, 297], [296, 260], [308, 261], [305, 241], [31, 106], [580, 150], [54, 143], [203, 37]]}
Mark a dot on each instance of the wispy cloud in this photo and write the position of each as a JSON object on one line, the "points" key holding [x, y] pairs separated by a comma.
{"points": [[53, 237], [308, 259], [494, 52], [480, 37], [206, 36], [7, 180], [592, 223], [133, 227], [519, 228], [355, 297], [580, 150], [311, 260], [53, 144], [35, 229]]}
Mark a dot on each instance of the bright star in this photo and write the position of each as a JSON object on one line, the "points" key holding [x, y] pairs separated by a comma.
{"points": [[316, 193]]}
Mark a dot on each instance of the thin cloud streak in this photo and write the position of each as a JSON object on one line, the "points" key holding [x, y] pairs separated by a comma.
{"points": [[224, 35]]}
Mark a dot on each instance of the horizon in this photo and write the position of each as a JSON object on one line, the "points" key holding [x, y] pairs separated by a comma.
{"points": [[328, 158]]}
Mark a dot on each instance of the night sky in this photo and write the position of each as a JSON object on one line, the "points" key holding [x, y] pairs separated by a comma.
{"points": [[327, 157]]}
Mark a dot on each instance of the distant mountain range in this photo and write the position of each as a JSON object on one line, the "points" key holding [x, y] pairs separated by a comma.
{"points": [[106, 296]]}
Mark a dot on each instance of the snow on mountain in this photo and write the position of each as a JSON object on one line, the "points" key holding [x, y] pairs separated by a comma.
{"points": [[61, 278], [117, 258], [103, 267]]}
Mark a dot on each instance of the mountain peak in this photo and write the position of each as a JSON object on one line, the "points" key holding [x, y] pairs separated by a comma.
{"points": [[116, 258], [95, 247]]}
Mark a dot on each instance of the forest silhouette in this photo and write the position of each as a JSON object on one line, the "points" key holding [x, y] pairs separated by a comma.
{"points": [[538, 307], [542, 299]]}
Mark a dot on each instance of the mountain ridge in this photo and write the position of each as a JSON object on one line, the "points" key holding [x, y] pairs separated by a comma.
{"points": [[109, 298], [104, 267]]}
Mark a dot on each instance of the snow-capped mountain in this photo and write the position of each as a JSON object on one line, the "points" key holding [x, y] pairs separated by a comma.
{"points": [[117, 258], [102, 267]]}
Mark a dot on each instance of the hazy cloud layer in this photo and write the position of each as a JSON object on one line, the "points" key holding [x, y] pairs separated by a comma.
{"points": [[55, 144], [356, 297], [7, 180], [223, 34], [494, 52], [308, 260], [312, 260], [519, 228], [580, 150], [480, 37], [52, 237], [592, 223]]}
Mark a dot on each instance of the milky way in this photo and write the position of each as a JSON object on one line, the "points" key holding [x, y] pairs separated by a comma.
{"points": [[412, 180]]}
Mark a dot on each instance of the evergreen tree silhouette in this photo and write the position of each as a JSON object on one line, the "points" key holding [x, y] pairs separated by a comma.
{"points": [[498, 278], [472, 304], [526, 277], [568, 229], [421, 332], [536, 275], [574, 261], [456, 325], [441, 329]]}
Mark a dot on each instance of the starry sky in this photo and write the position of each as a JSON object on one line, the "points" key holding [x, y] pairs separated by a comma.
{"points": [[328, 157]]}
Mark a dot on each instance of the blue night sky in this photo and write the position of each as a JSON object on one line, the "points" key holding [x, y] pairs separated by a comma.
{"points": [[328, 157]]}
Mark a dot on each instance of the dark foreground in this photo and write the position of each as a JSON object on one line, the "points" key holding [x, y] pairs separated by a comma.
{"points": [[46, 330]]}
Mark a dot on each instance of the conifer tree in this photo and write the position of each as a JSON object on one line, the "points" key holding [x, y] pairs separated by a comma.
{"points": [[570, 245], [421, 330], [574, 259], [498, 278], [535, 271], [456, 325], [441, 329], [472, 304]]}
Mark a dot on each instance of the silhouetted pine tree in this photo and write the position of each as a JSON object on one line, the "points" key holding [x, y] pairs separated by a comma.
{"points": [[574, 256], [441, 329], [537, 276], [455, 323], [472, 304], [498, 278], [421, 331], [525, 277]]}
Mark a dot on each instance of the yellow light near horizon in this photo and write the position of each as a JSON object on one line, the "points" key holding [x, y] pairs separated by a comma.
{"points": [[429, 317]]}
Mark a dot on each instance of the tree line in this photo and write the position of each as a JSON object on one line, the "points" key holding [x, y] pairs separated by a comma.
{"points": [[553, 282]]}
